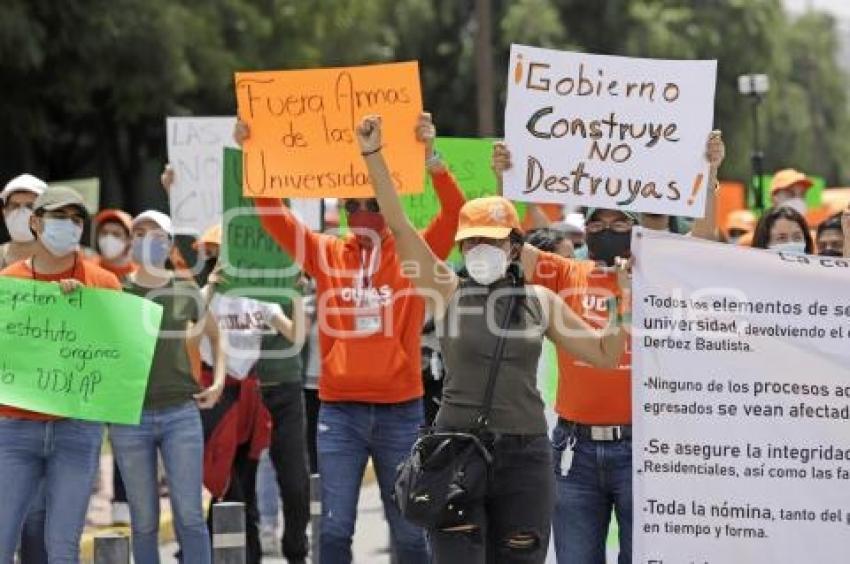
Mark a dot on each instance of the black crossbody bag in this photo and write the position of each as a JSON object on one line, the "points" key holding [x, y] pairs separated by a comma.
{"points": [[447, 471]]}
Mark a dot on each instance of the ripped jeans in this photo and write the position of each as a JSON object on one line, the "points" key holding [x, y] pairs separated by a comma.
{"points": [[512, 523]]}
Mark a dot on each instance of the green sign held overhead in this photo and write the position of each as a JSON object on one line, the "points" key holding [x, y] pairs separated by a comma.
{"points": [[255, 266], [469, 160], [84, 355]]}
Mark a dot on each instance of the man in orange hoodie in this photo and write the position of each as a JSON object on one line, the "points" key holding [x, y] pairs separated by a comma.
{"points": [[370, 319]]}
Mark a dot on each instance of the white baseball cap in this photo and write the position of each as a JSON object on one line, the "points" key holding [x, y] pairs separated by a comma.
{"points": [[23, 183], [162, 220]]}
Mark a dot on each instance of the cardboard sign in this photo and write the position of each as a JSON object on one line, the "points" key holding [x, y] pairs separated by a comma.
{"points": [[85, 355], [195, 146], [609, 132], [302, 123]]}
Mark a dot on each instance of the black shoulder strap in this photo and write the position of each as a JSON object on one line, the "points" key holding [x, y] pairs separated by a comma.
{"points": [[484, 416]]}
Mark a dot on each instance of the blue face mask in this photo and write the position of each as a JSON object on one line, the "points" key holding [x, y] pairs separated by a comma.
{"points": [[61, 237], [151, 251], [790, 247]]}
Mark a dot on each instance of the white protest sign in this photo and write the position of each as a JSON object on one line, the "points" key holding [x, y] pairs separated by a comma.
{"points": [[195, 151], [741, 404], [611, 132]]}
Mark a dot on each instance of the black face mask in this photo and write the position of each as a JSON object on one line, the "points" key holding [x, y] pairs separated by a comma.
{"points": [[830, 253], [607, 245]]}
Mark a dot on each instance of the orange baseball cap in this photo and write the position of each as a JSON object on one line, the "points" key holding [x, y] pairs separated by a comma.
{"points": [[493, 217], [211, 236], [119, 216], [788, 177], [745, 220]]}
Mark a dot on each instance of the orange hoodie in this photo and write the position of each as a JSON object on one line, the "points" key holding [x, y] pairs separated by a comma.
{"points": [[365, 366]]}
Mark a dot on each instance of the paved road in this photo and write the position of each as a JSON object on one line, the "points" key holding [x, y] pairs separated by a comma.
{"points": [[370, 539]]}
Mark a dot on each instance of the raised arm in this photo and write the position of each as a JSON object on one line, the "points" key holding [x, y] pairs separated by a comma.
{"points": [[715, 151], [419, 263], [440, 233], [602, 348]]}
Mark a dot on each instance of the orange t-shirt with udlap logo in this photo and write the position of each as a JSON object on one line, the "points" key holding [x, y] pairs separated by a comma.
{"points": [[83, 270], [586, 394], [362, 359]]}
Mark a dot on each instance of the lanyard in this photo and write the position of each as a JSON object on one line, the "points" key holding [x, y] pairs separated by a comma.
{"points": [[364, 277]]}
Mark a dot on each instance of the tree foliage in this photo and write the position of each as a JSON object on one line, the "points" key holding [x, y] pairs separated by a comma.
{"points": [[88, 83]]}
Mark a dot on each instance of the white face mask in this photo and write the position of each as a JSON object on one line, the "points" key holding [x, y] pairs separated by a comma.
{"points": [[61, 237], [18, 225], [796, 204], [486, 263], [789, 248], [111, 247]]}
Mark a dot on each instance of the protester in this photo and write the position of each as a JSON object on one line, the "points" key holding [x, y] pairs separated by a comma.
{"points": [[66, 467], [739, 223], [592, 441], [515, 515], [788, 188], [16, 200], [263, 358], [371, 385], [170, 424], [783, 229], [111, 235], [830, 237]]}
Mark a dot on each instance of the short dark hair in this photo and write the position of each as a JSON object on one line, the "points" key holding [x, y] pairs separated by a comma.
{"points": [[546, 239], [832, 222], [761, 236]]}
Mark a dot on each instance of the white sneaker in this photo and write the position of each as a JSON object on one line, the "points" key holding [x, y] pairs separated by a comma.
{"points": [[120, 513], [269, 541]]}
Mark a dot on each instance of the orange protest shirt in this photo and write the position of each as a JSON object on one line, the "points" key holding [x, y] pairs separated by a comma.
{"points": [[587, 395], [352, 285], [86, 272]]}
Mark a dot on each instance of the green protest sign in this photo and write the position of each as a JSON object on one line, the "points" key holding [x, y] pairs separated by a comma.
{"points": [[469, 161], [85, 355], [255, 266]]}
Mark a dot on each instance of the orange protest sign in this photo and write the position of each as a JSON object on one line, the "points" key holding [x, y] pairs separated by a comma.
{"points": [[303, 124]]}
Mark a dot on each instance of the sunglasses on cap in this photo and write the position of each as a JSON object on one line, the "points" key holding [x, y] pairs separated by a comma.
{"points": [[353, 206]]}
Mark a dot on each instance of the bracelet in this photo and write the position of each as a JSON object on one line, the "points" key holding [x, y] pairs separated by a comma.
{"points": [[372, 152], [434, 159]]}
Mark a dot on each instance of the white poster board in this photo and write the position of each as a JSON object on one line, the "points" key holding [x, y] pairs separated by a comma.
{"points": [[610, 132], [741, 404], [196, 152]]}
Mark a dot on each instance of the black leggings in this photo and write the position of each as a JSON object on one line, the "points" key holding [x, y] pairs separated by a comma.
{"points": [[513, 522]]}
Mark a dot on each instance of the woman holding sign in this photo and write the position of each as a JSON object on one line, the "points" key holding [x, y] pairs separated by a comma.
{"points": [[170, 426], [511, 522]]}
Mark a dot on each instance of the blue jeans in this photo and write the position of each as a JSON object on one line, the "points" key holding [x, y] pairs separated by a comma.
{"points": [[177, 434], [33, 548], [63, 455], [349, 433], [268, 494], [599, 480]]}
